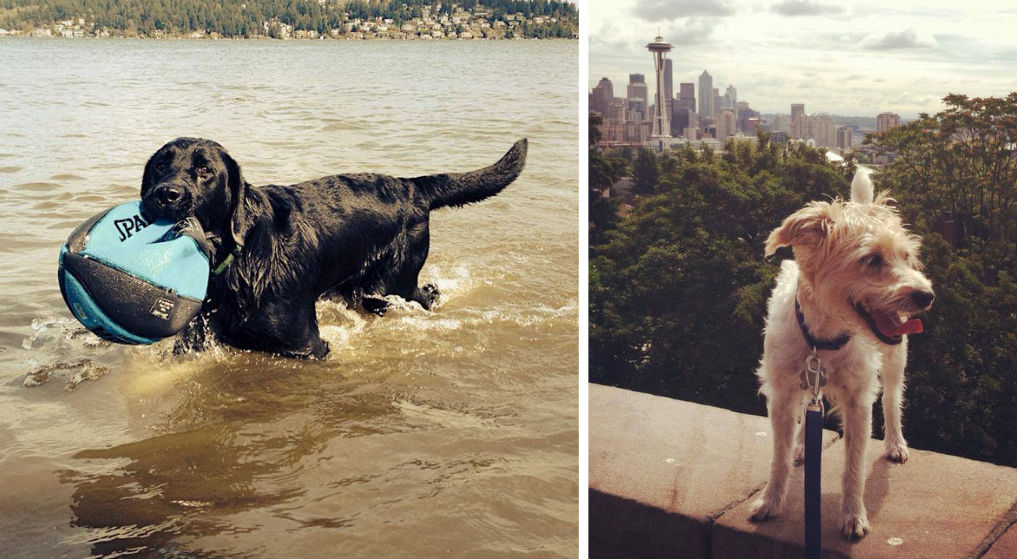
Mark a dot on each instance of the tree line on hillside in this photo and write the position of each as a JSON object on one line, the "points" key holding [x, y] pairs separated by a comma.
{"points": [[246, 18], [678, 288]]}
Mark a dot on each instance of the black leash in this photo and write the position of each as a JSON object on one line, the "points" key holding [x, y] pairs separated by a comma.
{"points": [[813, 378], [813, 470]]}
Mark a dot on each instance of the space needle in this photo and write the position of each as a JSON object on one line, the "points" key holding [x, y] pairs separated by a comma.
{"points": [[661, 124]]}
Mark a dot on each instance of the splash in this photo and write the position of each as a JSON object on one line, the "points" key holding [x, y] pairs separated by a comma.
{"points": [[82, 370], [60, 332]]}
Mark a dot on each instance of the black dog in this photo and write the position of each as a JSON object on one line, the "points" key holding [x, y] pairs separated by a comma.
{"points": [[277, 249]]}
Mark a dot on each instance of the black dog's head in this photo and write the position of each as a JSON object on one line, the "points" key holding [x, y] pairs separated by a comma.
{"points": [[195, 177]]}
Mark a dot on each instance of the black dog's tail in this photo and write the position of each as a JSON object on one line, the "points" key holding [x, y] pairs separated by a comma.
{"points": [[458, 189]]}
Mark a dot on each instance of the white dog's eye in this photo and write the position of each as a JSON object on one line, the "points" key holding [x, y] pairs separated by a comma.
{"points": [[873, 261]]}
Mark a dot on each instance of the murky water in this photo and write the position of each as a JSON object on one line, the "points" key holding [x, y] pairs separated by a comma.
{"points": [[448, 433]]}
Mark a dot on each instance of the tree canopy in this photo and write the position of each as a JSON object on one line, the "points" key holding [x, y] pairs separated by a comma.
{"points": [[245, 18]]}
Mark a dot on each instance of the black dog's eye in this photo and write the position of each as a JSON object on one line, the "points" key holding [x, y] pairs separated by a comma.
{"points": [[160, 166], [204, 172]]}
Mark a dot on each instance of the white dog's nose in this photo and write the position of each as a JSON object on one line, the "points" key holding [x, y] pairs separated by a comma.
{"points": [[923, 299]]}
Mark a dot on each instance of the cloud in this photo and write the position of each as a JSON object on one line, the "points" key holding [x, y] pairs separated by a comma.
{"points": [[898, 40], [805, 8], [693, 31], [610, 38], [656, 10]]}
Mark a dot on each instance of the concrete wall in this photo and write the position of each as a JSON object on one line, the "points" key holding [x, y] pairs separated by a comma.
{"points": [[675, 479]]}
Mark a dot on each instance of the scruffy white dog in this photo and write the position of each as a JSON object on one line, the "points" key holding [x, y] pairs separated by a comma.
{"points": [[848, 298]]}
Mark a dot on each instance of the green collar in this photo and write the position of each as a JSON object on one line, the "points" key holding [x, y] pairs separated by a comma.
{"points": [[228, 260]]}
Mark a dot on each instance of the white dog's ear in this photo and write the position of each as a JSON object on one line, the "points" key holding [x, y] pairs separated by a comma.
{"points": [[806, 227], [861, 186]]}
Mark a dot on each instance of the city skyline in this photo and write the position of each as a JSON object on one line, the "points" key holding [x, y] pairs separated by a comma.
{"points": [[850, 61]]}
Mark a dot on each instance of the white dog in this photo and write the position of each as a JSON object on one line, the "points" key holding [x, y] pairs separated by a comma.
{"points": [[848, 297]]}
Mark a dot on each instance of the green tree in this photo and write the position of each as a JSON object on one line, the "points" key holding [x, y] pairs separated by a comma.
{"points": [[603, 211], [960, 172], [645, 172], [956, 179]]}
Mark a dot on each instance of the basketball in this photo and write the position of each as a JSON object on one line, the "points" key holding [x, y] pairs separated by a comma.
{"points": [[131, 279]]}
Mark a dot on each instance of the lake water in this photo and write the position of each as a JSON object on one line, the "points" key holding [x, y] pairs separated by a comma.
{"points": [[451, 433]]}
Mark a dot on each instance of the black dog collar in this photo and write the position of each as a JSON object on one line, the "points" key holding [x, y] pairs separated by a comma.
{"points": [[832, 345]]}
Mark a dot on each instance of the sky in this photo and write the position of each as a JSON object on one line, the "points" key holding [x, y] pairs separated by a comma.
{"points": [[843, 58]]}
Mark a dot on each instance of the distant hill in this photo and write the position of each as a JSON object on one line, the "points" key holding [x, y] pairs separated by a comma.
{"points": [[285, 19], [857, 122]]}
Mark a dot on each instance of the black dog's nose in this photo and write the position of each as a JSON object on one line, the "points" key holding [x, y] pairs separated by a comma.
{"points": [[922, 299], [167, 195]]}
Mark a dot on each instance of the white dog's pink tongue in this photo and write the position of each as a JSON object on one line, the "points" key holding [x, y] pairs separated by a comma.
{"points": [[891, 325], [912, 326]]}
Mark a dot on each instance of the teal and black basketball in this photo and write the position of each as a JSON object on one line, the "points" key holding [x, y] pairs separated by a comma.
{"points": [[131, 279]]}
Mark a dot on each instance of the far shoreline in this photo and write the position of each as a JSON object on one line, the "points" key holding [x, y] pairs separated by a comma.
{"points": [[288, 40]]}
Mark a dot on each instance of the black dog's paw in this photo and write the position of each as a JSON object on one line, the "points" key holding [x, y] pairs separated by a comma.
{"points": [[428, 295], [319, 349], [374, 305], [316, 349], [191, 227]]}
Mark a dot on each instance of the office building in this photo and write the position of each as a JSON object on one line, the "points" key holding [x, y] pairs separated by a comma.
{"points": [[797, 120], [705, 94], [637, 89], [886, 121], [844, 138], [602, 96], [726, 124], [824, 130]]}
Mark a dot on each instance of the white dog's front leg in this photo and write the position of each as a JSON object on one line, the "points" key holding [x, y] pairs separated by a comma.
{"points": [[854, 522], [893, 396], [783, 412], [799, 451]]}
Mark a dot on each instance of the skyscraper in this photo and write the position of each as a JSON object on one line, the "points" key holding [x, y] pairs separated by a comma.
{"points": [[661, 126], [637, 89], [781, 123], [726, 124], [686, 105], [668, 80], [603, 95], [844, 139], [669, 94], [824, 130], [886, 121], [705, 94], [732, 95], [687, 96], [797, 120]]}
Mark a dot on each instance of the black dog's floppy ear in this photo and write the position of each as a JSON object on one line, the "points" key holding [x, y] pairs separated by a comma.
{"points": [[148, 177], [240, 222]]}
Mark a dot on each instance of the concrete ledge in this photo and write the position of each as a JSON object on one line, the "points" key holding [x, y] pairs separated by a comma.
{"points": [[672, 478], [1006, 546]]}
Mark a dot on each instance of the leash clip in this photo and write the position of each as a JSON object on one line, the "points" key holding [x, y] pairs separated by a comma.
{"points": [[813, 376]]}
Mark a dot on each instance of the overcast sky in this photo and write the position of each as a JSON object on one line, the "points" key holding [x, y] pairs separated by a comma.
{"points": [[846, 58]]}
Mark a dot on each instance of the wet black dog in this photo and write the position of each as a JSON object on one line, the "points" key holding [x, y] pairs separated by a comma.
{"points": [[277, 249]]}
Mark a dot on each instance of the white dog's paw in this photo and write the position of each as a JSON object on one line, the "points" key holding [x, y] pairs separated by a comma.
{"points": [[896, 451], [763, 509], [854, 526], [798, 454]]}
